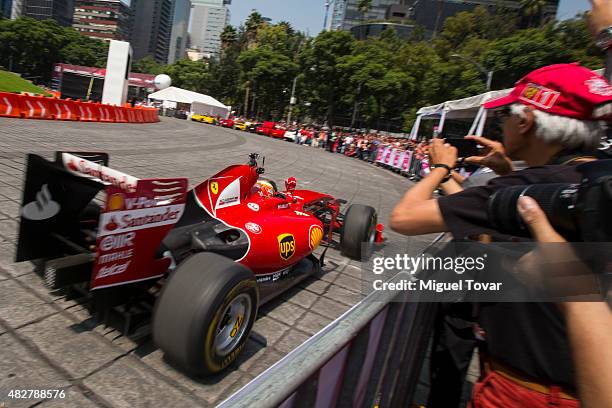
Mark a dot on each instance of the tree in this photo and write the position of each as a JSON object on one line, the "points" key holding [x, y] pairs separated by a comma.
{"points": [[192, 75], [270, 74], [364, 6], [148, 65], [372, 69], [31, 47], [513, 57], [533, 8], [322, 73], [228, 37], [251, 25]]}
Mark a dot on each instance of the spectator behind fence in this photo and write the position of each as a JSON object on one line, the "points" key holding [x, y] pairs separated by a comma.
{"points": [[550, 121]]}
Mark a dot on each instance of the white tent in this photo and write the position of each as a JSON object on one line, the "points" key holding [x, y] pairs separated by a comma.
{"points": [[205, 103], [467, 108]]}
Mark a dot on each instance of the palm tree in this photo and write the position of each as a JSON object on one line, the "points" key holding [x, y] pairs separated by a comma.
{"points": [[364, 6], [252, 24], [228, 36], [532, 8]]}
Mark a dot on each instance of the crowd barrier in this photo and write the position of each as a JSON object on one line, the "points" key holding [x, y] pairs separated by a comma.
{"points": [[40, 107], [371, 356], [402, 161]]}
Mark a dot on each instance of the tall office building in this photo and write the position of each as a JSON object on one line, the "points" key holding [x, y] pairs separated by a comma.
{"points": [[5, 8], [102, 19], [337, 12], [430, 14], [11, 8], [58, 10], [179, 34], [151, 28], [209, 18]]}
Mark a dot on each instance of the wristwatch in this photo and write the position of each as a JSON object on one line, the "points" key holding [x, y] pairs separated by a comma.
{"points": [[443, 166], [604, 39]]}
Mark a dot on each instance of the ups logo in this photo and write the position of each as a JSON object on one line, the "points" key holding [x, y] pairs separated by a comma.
{"points": [[286, 246]]}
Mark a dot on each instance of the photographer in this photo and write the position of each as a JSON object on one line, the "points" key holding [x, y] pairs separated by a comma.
{"points": [[589, 324], [550, 121]]}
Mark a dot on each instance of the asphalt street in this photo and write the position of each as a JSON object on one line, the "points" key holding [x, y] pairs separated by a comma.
{"points": [[53, 341]]}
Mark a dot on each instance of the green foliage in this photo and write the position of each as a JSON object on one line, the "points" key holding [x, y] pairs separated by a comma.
{"points": [[192, 75], [31, 47], [148, 65]]}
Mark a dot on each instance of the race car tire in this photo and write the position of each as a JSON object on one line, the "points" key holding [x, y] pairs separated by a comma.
{"points": [[191, 313], [359, 228]]}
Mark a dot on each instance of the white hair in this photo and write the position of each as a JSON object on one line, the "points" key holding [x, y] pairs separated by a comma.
{"points": [[568, 132]]}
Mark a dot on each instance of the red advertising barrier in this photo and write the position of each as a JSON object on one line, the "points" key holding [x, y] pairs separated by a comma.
{"points": [[39, 107]]}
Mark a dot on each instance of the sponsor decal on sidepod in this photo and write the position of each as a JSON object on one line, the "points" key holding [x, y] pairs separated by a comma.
{"points": [[254, 228], [286, 246]]}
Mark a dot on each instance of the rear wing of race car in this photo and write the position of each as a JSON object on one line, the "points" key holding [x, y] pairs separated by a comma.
{"points": [[116, 242]]}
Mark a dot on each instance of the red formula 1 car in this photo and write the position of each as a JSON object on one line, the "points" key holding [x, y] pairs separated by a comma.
{"points": [[218, 251]]}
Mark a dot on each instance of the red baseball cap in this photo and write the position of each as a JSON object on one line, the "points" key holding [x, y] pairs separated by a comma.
{"points": [[563, 89]]}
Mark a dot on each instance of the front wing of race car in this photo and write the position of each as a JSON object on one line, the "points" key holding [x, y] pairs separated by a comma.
{"points": [[111, 244]]}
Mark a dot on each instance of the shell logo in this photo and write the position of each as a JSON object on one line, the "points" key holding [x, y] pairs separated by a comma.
{"points": [[115, 202], [316, 235]]}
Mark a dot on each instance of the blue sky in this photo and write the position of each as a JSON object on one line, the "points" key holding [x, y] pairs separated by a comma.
{"points": [[308, 15]]}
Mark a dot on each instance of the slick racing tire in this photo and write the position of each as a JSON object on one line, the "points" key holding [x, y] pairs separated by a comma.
{"points": [[358, 232], [205, 313]]}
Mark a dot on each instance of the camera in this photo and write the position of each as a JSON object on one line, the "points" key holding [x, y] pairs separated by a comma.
{"points": [[579, 212]]}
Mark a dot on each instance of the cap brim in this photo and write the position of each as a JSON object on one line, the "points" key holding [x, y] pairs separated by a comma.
{"points": [[499, 102]]}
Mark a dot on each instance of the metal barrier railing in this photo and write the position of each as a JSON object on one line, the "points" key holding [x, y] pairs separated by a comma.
{"points": [[372, 355]]}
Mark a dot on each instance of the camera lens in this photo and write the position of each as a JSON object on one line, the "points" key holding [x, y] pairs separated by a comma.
{"points": [[556, 200]]}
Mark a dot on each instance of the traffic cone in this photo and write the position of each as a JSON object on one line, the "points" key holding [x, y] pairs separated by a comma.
{"points": [[379, 234]]}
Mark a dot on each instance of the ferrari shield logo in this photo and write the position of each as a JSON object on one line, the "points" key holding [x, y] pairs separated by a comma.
{"points": [[214, 187], [286, 246]]}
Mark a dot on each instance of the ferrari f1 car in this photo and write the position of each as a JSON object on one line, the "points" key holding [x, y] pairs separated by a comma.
{"points": [[218, 251]]}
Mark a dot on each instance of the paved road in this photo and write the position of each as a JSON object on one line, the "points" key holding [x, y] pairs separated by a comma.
{"points": [[52, 341]]}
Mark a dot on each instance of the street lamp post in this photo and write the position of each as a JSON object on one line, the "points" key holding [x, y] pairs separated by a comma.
{"points": [[488, 74], [292, 101]]}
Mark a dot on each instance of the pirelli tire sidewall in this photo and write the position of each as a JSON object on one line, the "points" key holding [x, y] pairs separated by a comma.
{"points": [[190, 307], [358, 226]]}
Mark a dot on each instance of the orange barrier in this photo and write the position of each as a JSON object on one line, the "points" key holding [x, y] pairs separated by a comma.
{"points": [[51, 108], [10, 105], [36, 107], [71, 111]]}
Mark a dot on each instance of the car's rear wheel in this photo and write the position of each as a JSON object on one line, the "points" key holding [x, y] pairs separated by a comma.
{"points": [[205, 313], [358, 232]]}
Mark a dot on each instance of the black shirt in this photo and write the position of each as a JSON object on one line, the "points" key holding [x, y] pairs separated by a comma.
{"points": [[529, 337]]}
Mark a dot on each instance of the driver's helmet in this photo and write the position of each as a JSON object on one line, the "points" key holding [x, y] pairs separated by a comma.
{"points": [[264, 188]]}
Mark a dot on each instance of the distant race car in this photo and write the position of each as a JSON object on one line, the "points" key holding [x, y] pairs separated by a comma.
{"points": [[218, 251], [204, 119], [278, 132], [228, 123], [241, 125], [266, 128], [290, 135], [254, 126]]}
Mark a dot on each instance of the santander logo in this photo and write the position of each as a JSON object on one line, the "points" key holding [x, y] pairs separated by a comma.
{"points": [[96, 171]]}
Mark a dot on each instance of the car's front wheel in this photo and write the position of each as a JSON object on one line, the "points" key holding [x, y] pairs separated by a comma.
{"points": [[358, 232], [205, 313]]}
